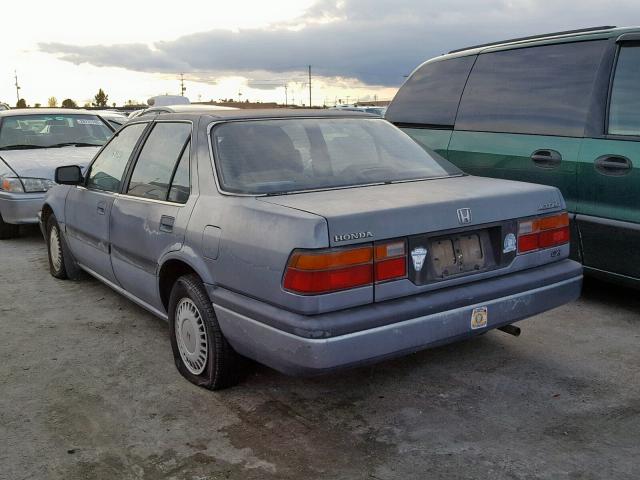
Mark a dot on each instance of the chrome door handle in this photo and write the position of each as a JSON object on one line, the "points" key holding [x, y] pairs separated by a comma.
{"points": [[102, 207]]}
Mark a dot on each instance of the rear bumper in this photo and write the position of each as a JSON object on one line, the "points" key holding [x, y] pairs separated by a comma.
{"points": [[20, 208], [273, 336]]}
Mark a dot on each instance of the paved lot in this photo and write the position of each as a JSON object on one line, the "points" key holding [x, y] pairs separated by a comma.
{"points": [[89, 391]]}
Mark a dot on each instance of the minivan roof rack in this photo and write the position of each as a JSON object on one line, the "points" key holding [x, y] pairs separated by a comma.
{"points": [[533, 37]]}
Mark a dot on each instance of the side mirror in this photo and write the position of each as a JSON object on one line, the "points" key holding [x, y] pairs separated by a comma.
{"points": [[69, 175]]}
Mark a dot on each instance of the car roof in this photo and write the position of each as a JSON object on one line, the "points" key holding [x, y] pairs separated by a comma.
{"points": [[44, 111], [256, 114], [188, 108], [594, 33]]}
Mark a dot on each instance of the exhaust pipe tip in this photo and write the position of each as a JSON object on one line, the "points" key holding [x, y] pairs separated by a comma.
{"points": [[511, 330]]}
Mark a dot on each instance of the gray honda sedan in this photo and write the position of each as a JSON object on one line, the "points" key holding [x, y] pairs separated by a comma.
{"points": [[305, 240]]}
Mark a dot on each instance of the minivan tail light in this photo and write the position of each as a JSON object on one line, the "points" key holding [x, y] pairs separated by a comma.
{"points": [[312, 272], [543, 232]]}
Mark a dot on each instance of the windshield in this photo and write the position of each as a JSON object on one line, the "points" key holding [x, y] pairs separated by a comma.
{"points": [[44, 131], [280, 156]]}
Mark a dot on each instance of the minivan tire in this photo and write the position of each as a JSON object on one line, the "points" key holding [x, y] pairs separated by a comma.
{"points": [[8, 230], [204, 357]]}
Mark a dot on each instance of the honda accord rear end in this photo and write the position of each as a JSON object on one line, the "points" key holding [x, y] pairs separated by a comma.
{"points": [[334, 242]]}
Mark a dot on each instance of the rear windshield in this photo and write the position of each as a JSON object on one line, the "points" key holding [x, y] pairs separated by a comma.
{"points": [[43, 131], [279, 156]]}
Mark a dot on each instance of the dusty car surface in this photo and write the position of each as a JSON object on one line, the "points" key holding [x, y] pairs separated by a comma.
{"points": [[305, 240], [33, 142]]}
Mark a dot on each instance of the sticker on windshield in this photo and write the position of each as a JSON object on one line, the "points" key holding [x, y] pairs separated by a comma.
{"points": [[88, 122]]}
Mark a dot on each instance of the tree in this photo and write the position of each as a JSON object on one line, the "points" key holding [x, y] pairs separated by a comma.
{"points": [[37, 105], [52, 102], [101, 99], [68, 103], [21, 103]]}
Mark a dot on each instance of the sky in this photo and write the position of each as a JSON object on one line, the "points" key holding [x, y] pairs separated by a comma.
{"points": [[250, 50]]}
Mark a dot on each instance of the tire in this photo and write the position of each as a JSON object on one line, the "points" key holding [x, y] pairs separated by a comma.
{"points": [[8, 230], [200, 351], [56, 250]]}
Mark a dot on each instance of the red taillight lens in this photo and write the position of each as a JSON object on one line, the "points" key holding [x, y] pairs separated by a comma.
{"points": [[543, 232], [310, 282], [323, 271], [390, 269]]}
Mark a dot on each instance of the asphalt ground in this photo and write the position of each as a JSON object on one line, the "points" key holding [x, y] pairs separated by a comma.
{"points": [[88, 390]]}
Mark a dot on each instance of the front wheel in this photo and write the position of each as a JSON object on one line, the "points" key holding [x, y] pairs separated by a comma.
{"points": [[7, 230], [200, 351]]}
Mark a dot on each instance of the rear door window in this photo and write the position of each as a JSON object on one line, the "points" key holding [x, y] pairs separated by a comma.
{"points": [[624, 112], [108, 169], [543, 90], [157, 161], [432, 94]]}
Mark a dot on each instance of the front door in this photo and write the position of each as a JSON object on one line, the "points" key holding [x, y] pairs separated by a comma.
{"points": [[150, 216], [609, 178], [88, 207]]}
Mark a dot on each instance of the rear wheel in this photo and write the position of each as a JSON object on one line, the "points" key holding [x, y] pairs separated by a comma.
{"points": [[8, 230], [55, 250], [201, 352]]}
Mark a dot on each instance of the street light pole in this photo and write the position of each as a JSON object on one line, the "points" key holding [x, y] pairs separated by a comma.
{"points": [[309, 86], [17, 86]]}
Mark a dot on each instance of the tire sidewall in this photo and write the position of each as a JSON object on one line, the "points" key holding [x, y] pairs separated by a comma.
{"points": [[61, 272], [183, 289]]}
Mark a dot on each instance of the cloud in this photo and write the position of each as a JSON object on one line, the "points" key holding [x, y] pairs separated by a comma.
{"points": [[373, 41]]}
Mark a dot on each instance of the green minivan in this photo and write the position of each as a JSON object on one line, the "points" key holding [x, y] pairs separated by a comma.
{"points": [[561, 109]]}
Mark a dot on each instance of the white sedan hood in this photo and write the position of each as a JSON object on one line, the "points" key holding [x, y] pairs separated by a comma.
{"points": [[42, 162]]}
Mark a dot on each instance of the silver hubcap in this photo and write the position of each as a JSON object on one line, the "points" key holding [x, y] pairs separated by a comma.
{"points": [[54, 248], [191, 336]]}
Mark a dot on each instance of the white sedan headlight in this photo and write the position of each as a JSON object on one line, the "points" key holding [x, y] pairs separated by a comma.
{"points": [[25, 185]]}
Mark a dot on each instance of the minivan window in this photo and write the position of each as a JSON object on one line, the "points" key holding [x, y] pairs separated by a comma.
{"points": [[279, 156], [108, 168], [156, 163], [432, 94], [624, 113], [543, 90]]}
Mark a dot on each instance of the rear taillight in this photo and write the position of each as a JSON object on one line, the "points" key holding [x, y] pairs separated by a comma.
{"points": [[543, 232], [390, 260], [312, 272]]}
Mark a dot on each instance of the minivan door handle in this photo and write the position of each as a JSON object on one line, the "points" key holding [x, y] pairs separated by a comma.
{"points": [[166, 223], [613, 165], [546, 158], [101, 207]]}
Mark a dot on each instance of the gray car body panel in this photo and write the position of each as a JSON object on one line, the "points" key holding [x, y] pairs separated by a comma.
{"points": [[240, 245]]}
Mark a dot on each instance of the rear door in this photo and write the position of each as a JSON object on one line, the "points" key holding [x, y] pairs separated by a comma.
{"points": [[426, 105], [523, 113], [149, 218], [88, 207], [609, 176]]}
